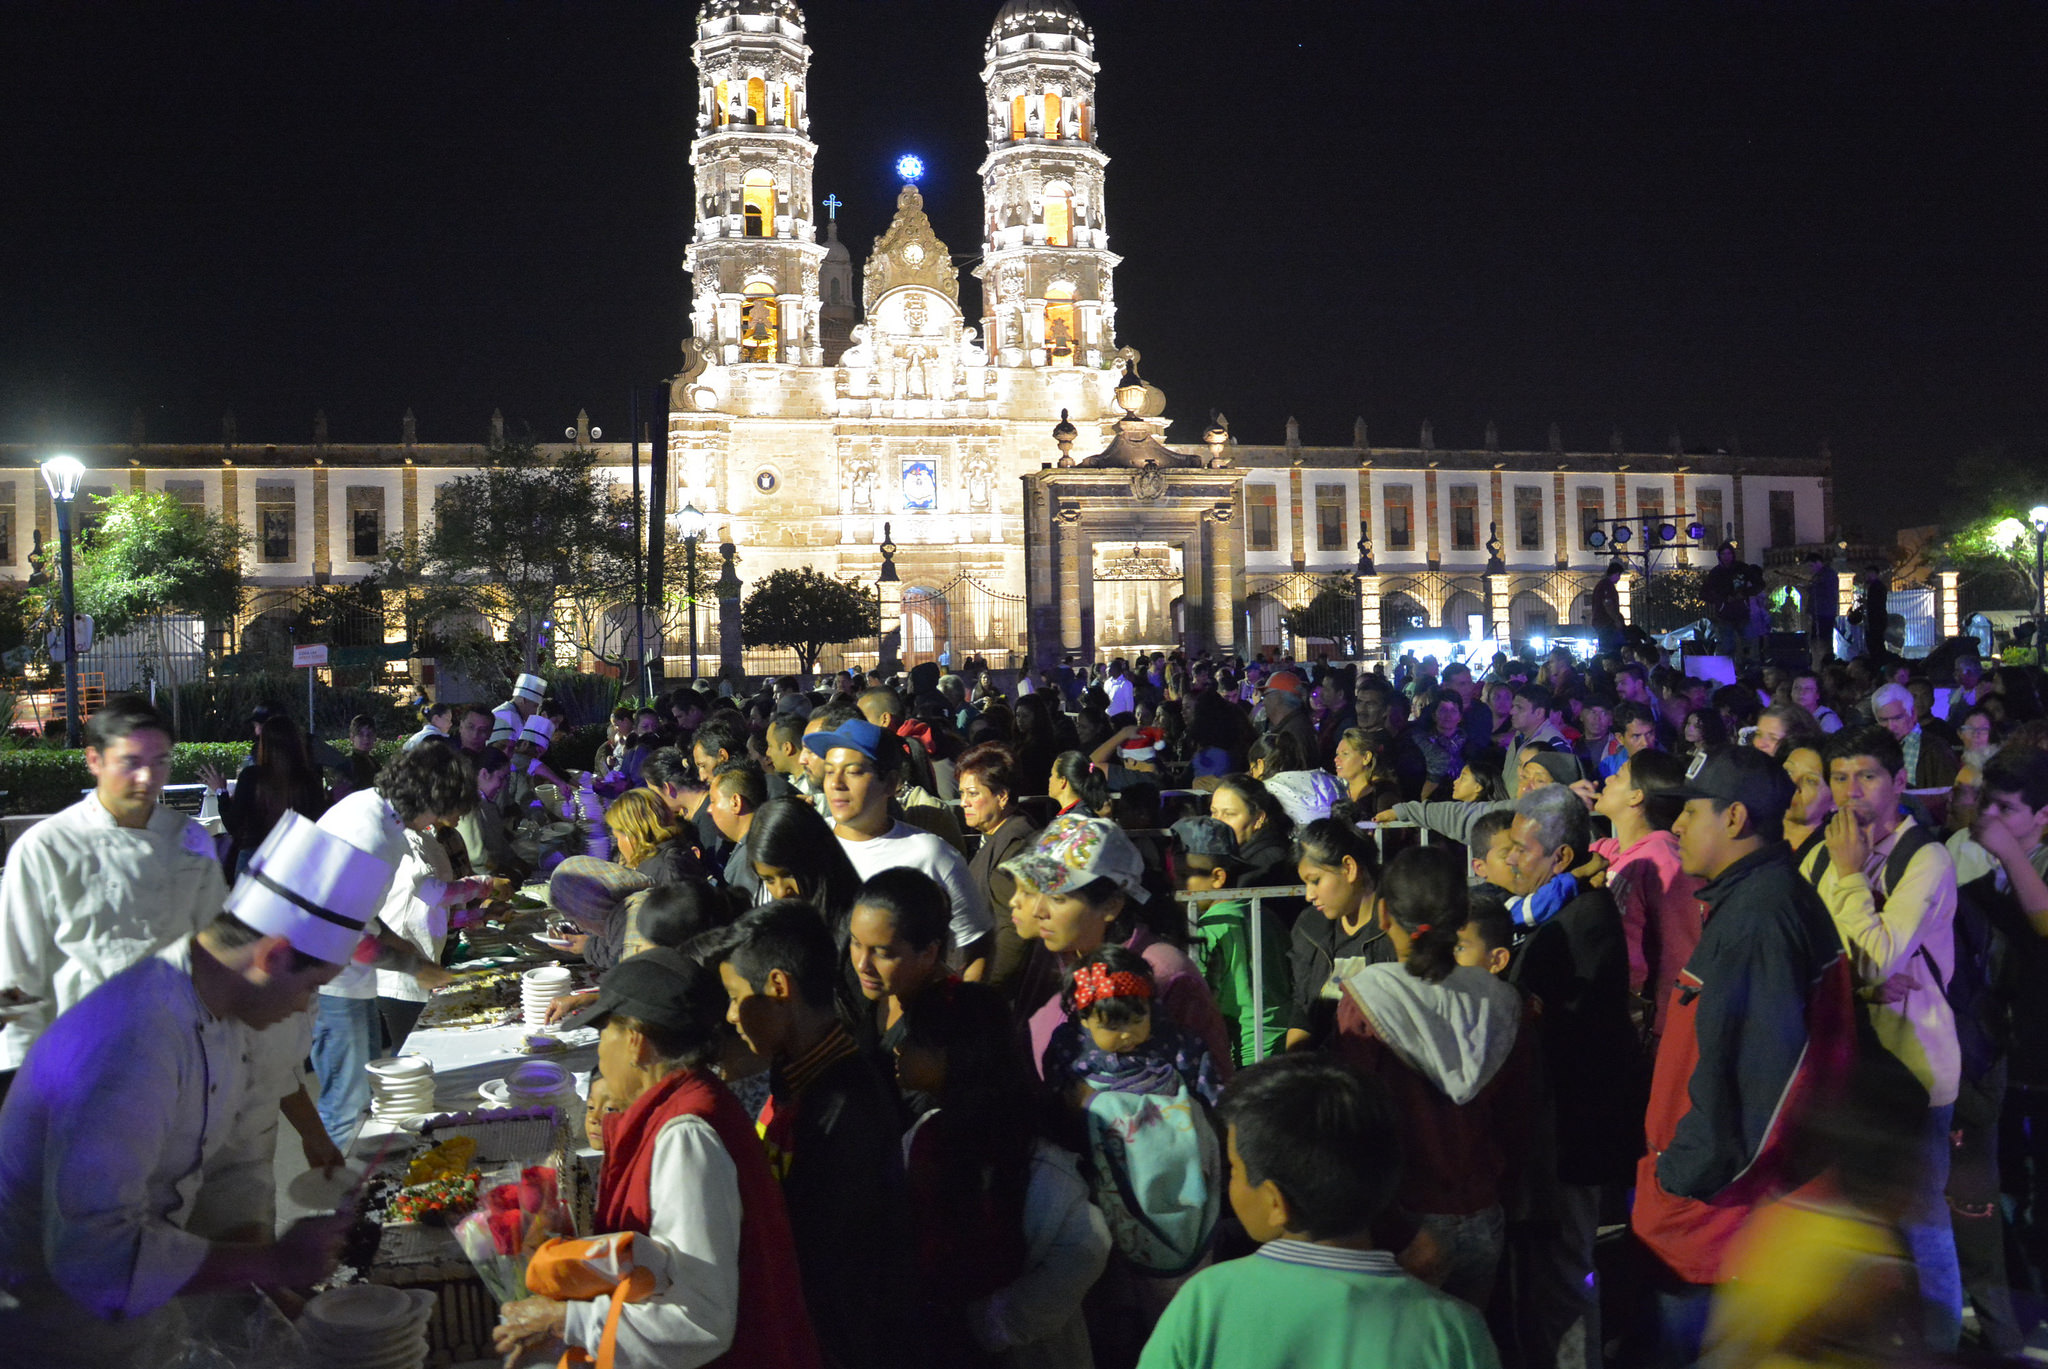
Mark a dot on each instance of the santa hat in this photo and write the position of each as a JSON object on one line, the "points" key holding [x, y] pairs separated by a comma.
{"points": [[1142, 745], [311, 888], [531, 688]]}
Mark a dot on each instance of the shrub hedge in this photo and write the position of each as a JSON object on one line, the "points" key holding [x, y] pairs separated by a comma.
{"points": [[44, 779]]}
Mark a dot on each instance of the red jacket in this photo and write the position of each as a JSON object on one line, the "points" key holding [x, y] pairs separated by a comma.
{"points": [[1760, 1024], [773, 1329]]}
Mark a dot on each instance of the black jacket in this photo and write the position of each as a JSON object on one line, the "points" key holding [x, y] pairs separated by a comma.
{"points": [[1576, 966], [1317, 944]]}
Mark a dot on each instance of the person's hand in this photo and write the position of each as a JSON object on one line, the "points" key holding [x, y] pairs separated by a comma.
{"points": [[468, 890], [210, 775], [577, 945], [1386, 815], [1997, 839], [321, 1152], [431, 977], [1848, 844], [1588, 792], [309, 1251], [529, 1324], [1426, 1259], [569, 1003]]}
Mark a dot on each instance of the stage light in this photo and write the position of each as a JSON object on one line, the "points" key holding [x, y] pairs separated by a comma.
{"points": [[1621, 535], [1596, 539]]}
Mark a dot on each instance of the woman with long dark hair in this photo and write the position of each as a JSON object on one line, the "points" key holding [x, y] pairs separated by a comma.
{"points": [[1451, 1044], [1038, 743], [281, 781], [1077, 786], [1264, 831], [795, 855], [1008, 1241]]}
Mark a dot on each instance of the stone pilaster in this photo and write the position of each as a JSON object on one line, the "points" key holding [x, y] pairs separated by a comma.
{"points": [[1223, 576], [1071, 548], [323, 530]]}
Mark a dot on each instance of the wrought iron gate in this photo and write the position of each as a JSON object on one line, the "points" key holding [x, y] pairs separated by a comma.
{"points": [[1301, 612]]}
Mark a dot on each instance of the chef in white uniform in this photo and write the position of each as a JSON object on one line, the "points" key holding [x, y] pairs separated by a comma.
{"points": [[108, 882], [131, 1113], [415, 790], [508, 719]]}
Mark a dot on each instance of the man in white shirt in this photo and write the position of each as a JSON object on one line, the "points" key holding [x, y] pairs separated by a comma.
{"points": [[1122, 692], [108, 882], [415, 791], [129, 1168], [861, 765], [508, 719]]}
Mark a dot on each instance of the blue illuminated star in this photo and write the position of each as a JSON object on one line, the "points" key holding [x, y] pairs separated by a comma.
{"points": [[910, 167]]}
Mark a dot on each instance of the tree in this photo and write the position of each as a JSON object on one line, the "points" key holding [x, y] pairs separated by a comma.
{"points": [[1991, 493], [531, 542], [1670, 599], [807, 612], [151, 553], [1331, 616]]}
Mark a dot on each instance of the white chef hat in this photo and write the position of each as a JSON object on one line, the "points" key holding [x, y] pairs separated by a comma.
{"points": [[531, 688], [312, 888], [540, 730]]}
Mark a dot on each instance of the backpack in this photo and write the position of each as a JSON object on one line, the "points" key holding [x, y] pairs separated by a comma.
{"points": [[1157, 1168]]}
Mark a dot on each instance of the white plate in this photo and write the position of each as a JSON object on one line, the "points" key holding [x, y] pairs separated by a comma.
{"points": [[320, 1190], [558, 943], [361, 1307], [494, 1091]]}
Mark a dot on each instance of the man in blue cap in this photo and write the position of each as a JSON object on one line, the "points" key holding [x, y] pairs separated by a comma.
{"points": [[862, 764]]}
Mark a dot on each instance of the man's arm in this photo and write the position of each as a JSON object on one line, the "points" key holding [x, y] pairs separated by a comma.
{"points": [[28, 952], [1883, 942]]}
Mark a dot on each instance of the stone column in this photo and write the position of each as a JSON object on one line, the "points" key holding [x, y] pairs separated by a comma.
{"points": [[1222, 580], [889, 649], [323, 532], [1369, 643], [1497, 607], [729, 642], [1070, 550]]}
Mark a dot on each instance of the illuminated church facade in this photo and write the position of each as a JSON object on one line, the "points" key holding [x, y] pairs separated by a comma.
{"points": [[1003, 476]]}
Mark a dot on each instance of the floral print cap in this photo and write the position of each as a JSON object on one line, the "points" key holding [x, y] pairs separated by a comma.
{"points": [[1074, 852]]}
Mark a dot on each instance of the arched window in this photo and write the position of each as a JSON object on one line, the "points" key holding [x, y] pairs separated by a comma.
{"points": [[1062, 341], [757, 101], [1052, 115], [1017, 118], [758, 195], [1082, 105], [1059, 217], [718, 115], [759, 324], [835, 289], [789, 105]]}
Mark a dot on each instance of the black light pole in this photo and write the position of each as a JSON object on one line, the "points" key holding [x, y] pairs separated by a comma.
{"points": [[62, 474], [639, 542], [689, 525], [2039, 517]]}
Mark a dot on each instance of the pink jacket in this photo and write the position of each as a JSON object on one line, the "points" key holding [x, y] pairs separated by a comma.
{"points": [[1661, 912]]}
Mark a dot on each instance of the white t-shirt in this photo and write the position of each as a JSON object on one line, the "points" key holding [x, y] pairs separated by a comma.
{"points": [[904, 845]]}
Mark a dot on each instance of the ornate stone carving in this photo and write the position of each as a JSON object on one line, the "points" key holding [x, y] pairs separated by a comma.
{"points": [[909, 253], [1148, 483]]}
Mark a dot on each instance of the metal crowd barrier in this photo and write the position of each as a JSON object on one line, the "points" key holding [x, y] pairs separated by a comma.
{"points": [[1256, 921]]}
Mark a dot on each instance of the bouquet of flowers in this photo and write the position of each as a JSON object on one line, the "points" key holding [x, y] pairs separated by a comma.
{"points": [[513, 1221]]}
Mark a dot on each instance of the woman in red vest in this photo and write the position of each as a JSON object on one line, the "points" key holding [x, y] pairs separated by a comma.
{"points": [[684, 1168]]}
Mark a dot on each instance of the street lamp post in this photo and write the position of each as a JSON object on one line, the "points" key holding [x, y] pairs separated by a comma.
{"points": [[62, 474], [689, 524], [2039, 518]]}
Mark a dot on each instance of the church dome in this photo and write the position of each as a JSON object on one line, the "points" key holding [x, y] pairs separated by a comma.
{"points": [[1019, 17]]}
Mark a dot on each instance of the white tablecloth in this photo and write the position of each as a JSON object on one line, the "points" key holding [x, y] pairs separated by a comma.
{"points": [[466, 1058]]}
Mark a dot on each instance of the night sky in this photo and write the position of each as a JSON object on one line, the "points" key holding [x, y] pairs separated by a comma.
{"points": [[1775, 221]]}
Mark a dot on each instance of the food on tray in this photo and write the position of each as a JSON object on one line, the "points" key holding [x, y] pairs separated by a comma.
{"points": [[438, 1200], [545, 1045], [451, 1156], [474, 1000]]}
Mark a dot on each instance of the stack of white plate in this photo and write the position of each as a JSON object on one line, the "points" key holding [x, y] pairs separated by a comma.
{"points": [[540, 987], [401, 1086], [543, 1083], [367, 1326]]}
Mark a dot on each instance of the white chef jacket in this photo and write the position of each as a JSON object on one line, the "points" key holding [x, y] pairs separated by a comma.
{"points": [[125, 1109], [366, 821], [423, 925], [83, 898], [507, 725], [425, 732], [693, 1250]]}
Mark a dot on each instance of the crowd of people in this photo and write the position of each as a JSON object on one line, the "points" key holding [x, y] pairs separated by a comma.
{"points": [[1172, 1011]]}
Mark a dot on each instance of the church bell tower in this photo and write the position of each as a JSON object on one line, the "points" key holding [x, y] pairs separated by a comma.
{"points": [[754, 255], [1046, 265]]}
